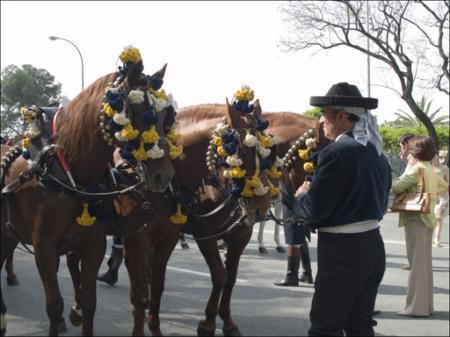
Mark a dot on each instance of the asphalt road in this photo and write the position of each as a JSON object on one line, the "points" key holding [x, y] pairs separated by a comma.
{"points": [[259, 307]]}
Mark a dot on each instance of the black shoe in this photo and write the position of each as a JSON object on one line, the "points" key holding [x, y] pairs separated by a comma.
{"points": [[280, 249], [184, 245], [109, 277], [306, 277], [289, 281], [262, 250], [376, 312]]}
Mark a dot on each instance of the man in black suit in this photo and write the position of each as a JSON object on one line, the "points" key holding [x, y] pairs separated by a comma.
{"points": [[344, 202]]}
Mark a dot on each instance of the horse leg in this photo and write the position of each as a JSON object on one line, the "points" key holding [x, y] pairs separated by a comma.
{"points": [[91, 259], [235, 249], [160, 256], [136, 248], [276, 235], [261, 247], [47, 265], [11, 278], [7, 248], [210, 252], [73, 264]]}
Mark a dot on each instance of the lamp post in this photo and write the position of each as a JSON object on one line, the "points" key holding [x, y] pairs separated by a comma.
{"points": [[53, 38]]}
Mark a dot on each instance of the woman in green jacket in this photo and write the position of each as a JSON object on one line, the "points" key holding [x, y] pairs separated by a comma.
{"points": [[419, 227]]}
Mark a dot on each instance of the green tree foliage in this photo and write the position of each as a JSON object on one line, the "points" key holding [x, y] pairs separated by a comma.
{"points": [[23, 87], [313, 112], [391, 134], [406, 119]]}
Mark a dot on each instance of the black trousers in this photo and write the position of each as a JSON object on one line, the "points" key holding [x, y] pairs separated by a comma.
{"points": [[350, 269]]}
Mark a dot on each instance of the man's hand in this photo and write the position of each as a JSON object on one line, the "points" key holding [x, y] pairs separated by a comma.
{"points": [[303, 189]]}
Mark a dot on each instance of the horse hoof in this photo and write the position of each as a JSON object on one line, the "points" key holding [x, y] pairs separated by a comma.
{"points": [[62, 328], [262, 250], [12, 280], [232, 332], [75, 318], [203, 331]]}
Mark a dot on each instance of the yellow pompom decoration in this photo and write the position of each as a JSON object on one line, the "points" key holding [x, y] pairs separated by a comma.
{"points": [[247, 192], [245, 94], [129, 132], [273, 190], [173, 136], [159, 94], [308, 167], [25, 142], [178, 218], [264, 140], [85, 219], [217, 141], [237, 173], [27, 116], [108, 110], [222, 152], [303, 154], [150, 136], [175, 151], [130, 54], [274, 173], [140, 154]]}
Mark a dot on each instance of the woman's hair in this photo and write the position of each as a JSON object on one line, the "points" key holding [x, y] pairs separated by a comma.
{"points": [[404, 139], [422, 147]]}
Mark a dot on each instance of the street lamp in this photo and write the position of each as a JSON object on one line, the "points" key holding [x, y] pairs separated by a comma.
{"points": [[53, 38]]}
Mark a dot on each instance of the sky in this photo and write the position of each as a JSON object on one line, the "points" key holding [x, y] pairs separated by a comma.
{"points": [[211, 48]]}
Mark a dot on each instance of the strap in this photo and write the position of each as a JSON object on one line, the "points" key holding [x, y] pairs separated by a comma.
{"points": [[420, 181]]}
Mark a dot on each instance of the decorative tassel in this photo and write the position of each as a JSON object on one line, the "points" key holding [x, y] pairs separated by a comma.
{"points": [[85, 219], [150, 136], [178, 218], [308, 167]]}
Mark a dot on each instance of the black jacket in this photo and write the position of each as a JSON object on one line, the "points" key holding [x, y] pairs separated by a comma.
{"points": [[351, 183]]}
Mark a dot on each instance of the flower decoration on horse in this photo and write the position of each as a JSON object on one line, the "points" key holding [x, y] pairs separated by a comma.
{"points": [[226, 145], [305, 148], [138, 146]]}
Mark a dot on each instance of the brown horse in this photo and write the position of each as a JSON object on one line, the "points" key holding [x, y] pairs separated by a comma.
{"points": [[47, 216], [195, 124], [162, 230]]}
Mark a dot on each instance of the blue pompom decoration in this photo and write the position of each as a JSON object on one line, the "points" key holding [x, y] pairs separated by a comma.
{"points": [[243, 106], [261, 124], [228, 137], [124, 70], [155, 82], [148, 146], [126, 154], [265, 164], [115, 100], [149, 117], [237, 187], [230, 148], [222, 162], [26, 154], [113, 126]]}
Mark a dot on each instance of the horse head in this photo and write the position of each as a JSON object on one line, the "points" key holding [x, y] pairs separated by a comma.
{"points": [[138, 117], [246, 156]]}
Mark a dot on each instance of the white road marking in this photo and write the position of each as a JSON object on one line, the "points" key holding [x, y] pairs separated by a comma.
{"points": [[187, 271]]}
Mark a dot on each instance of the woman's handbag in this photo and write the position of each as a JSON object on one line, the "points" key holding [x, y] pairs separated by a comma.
{"points": [[417, 202]]}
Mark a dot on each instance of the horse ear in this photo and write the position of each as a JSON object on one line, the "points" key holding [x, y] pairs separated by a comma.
{"points": [[233, 116], [134, 74], [257, 111], [161, 72]]}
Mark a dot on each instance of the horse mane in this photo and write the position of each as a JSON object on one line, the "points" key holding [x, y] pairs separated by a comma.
{"points": [[196, 122], [77, 124], [288, 126]]}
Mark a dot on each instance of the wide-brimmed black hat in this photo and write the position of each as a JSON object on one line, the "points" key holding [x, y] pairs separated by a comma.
{"points": [[344, 94]]}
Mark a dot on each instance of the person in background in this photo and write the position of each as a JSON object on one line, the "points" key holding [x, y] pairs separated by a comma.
{"points": [[344, 202], [419, 227], [441, 208], [407, 158]]}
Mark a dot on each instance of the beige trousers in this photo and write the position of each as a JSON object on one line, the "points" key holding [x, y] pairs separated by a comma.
{"points": [[419, 296]]}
